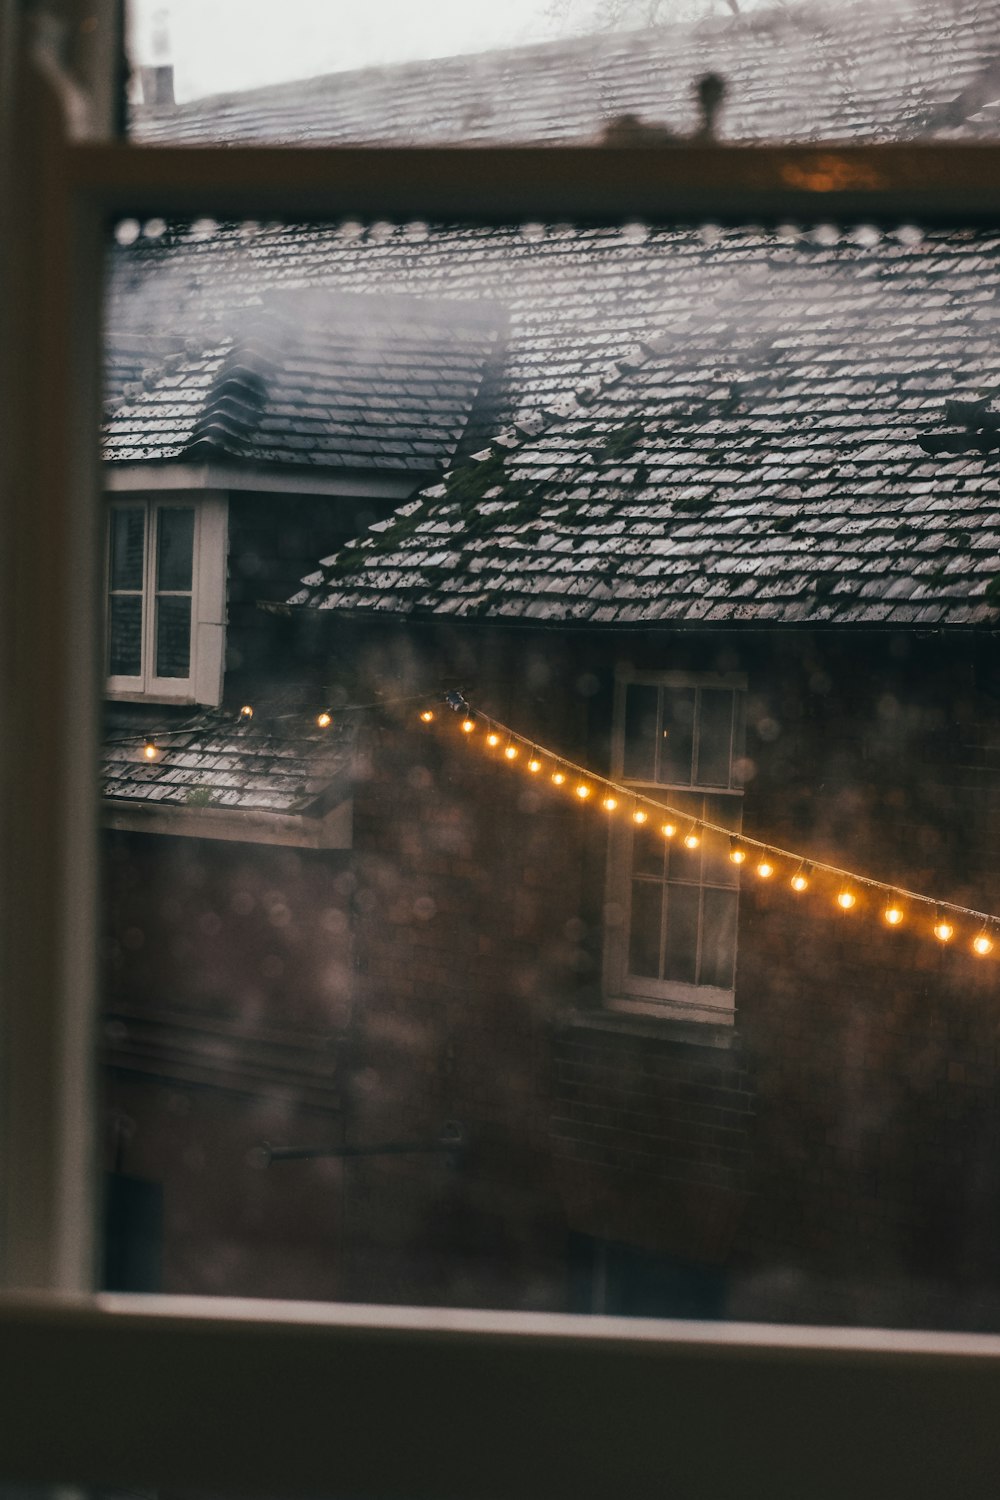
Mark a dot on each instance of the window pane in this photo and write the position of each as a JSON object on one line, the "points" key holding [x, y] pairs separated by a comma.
{"points": [[127, 540], [399, 74], [644, 937], [680, 959], [173, 637], [718, 938], [676, 735], [334, 927], [640, 733], [649, 849], [715, 726], [125, 646], [174, 548]]}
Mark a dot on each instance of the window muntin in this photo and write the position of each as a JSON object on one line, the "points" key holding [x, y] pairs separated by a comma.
{"points": [[165, 598], [671, 935]]}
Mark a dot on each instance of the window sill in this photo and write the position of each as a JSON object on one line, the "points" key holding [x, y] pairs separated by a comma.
{"points": [[719, 1035]]}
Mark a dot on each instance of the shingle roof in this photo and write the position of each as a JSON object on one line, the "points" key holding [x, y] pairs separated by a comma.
{"points": [[283, 764], [314, 378], [866, 69], [761, 455]]}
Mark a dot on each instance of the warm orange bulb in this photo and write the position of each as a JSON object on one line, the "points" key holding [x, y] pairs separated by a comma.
{"points": [[668, 830], [427, 716], [893, 914], [492, 739], [640, 817], [534, 765], [609, 804], [511, 752], [765, 869], [324, 720], [799, 882], [583, 792], [691, 841], [846, 900], [468, 726], [246, 712], [738, 856], [150, 751], [982, 945], [558, 778], [943, 931]]}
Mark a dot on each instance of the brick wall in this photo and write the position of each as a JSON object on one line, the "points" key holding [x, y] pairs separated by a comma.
{"points": [[835, 1160]]}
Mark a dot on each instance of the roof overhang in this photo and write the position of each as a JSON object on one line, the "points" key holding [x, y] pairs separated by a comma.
{"points": [[283, 479], [334, 830]]}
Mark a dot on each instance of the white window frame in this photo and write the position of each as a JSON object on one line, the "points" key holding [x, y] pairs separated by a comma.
{"points": [[204, 682], [373, 1402], [633, 994]]}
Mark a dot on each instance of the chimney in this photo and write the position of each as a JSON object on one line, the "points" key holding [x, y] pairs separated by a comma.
{"points": [[158, 77]]}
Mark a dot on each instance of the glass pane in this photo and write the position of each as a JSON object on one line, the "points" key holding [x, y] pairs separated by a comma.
{"points": [[374, 987], [649, 849], [715, 728], [551, 70], [718, 938], [676, 735], [639, 762], [680, 959], [174, 547], [125, 645], [644, 932], [127, 541], [173, 637]]}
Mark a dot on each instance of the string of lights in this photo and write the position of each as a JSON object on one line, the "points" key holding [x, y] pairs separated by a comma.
{"points": [[154, 740], [765, 858]]}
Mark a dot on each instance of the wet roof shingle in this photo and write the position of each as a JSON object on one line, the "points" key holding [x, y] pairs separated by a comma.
{"points": [[268, 764], [313, 378], [759, 456], [866, 69]]}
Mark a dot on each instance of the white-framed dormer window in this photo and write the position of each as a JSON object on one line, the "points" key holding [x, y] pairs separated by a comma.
{"points": [[670, 942], [165, 602]]}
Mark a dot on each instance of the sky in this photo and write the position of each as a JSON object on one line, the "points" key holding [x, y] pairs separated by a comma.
{"points": [[218, 45]]}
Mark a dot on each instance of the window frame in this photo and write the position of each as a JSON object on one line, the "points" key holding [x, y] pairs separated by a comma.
{"points": [[300, 1400], [204, 682], [632, 994]]}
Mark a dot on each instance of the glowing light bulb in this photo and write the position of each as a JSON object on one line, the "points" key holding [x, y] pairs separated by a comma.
{"points": [[737, 853], [324, 720], [943, 930], [492, 739], [246, 712], [765, 869], [982, 945], [691, 840], [893, 914], [468, 726], [668, 830], [846, 899], [427, 716], [558, 778], [583, 792], [534, 765], [511, 752], [640, 817], [150, 751], [609, 804], [799, 882]]}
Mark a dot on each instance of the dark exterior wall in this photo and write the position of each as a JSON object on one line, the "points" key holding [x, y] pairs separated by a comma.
{"points": [[274, 541], [833, 1160]]}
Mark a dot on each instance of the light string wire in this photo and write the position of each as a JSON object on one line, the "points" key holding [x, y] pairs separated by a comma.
{"points": [[193, 725], [801, 861]]}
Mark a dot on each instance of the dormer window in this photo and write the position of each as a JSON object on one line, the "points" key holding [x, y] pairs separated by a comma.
{"points": [[166, 598]]}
